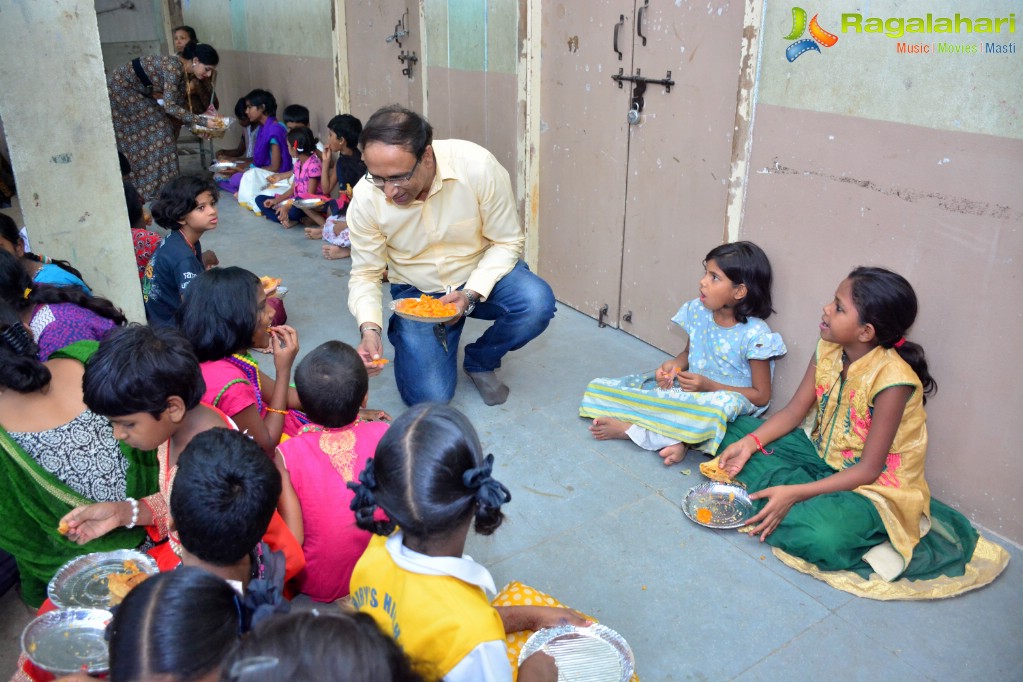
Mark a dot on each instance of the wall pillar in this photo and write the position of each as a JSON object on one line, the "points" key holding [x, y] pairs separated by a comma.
{"points": [[57, 120]]}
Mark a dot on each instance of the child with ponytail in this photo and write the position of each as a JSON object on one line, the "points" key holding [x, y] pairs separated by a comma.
{"points": [[853, 495], [431, 479]]}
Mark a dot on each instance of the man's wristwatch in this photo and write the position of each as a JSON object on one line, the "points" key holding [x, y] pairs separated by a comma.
{"points": [[473, 298]]}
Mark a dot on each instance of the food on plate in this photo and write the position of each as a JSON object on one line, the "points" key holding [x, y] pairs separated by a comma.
{"points": [[120, 584], [426, 306], [710, 470], [704, 515], [269, 284]]}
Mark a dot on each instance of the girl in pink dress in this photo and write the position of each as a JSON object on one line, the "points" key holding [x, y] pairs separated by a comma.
{"points": [[318, 464], [224, 314], [308, 170]]}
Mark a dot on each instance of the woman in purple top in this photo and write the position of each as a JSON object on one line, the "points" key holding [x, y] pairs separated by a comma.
{"points": [[269, 152], [57, 316]]}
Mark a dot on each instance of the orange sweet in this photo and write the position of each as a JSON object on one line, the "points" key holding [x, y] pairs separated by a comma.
{"points": [[704, 515], [426, 306]]}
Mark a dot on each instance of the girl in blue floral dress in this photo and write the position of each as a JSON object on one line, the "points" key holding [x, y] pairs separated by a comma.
{"points": [[724, 371]]}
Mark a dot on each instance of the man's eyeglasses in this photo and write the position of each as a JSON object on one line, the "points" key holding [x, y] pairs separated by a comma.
{"points": [[397, 180]]}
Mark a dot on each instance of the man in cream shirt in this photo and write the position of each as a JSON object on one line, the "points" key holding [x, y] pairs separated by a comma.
{"points": [[439, 218]]}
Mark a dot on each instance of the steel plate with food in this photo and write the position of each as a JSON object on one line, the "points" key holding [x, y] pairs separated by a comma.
{"points": [[223, 166], [311, 202], [718, 505], [424, 309], [590, 654], [215, 126], [68, 641], [100, 579]]}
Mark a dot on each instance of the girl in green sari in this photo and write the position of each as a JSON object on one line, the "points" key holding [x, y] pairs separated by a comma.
{"points": [[55, 455]]}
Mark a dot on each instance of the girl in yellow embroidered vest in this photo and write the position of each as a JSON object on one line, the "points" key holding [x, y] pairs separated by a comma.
{"points": [[854, 498], [431, 479]]}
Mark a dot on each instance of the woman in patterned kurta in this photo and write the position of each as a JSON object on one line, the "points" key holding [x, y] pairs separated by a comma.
{"points": [[142, 124], [853, 496]]}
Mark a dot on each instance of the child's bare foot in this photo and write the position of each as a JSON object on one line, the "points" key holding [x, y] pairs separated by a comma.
{"points": [[673, 454], [314, 233], [287, 224], [335, 252], [605, 428]]}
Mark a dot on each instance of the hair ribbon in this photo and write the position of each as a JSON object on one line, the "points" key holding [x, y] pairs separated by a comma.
{"points": [[364, 498], [900, 342], [489, 492], [28, 292]]}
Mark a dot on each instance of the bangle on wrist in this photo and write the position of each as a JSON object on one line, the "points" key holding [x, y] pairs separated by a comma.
{"points": [[375, 330], [134, 512], [276, 411], [760, 446]]}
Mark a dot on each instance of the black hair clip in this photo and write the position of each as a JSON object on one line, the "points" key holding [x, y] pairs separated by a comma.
{"points": [[17, 339], [489, 492], [364, 488]]}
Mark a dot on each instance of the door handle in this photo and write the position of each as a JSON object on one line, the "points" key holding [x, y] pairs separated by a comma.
{"points": [[639, 20], [618, 27]]}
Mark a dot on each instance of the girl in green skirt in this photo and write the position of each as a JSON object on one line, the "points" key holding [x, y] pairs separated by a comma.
{"points": [[853, 495]]}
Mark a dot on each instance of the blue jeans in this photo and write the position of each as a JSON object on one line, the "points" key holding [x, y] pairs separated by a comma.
{"points": [[521, 306]]}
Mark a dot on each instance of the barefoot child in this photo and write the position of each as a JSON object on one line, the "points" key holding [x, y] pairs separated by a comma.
{"points": [[724, 371], [343, 140], [269, 150], [318, 463], [307, 172], [853, 496], [432, 480], [187, 206]]}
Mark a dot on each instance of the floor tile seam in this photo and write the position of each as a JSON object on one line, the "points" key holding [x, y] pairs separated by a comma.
{"points": [[897, 653], [552, 537], [781, 647]]}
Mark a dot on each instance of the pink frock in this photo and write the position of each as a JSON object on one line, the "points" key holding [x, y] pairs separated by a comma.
{"points": [[232, 384], [320, 462]]}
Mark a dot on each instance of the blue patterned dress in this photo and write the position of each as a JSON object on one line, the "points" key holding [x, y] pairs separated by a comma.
{"points": [[699, 419]]}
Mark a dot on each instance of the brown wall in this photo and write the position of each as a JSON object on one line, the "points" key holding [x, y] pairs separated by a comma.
{"points": [[472, 51], [828, 192], [292, 80], [477, 106], [864, 155], [268, 44]]}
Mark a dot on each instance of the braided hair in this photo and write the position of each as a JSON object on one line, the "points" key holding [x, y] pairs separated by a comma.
{"points": [[19, 291]]}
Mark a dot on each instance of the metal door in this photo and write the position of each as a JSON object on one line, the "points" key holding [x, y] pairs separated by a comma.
{"points": [[679, 159], [384, 45], [583, 153], [674, 116]]}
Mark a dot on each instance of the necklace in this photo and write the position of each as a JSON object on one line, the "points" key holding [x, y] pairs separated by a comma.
{"points": [[248, 366]]}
